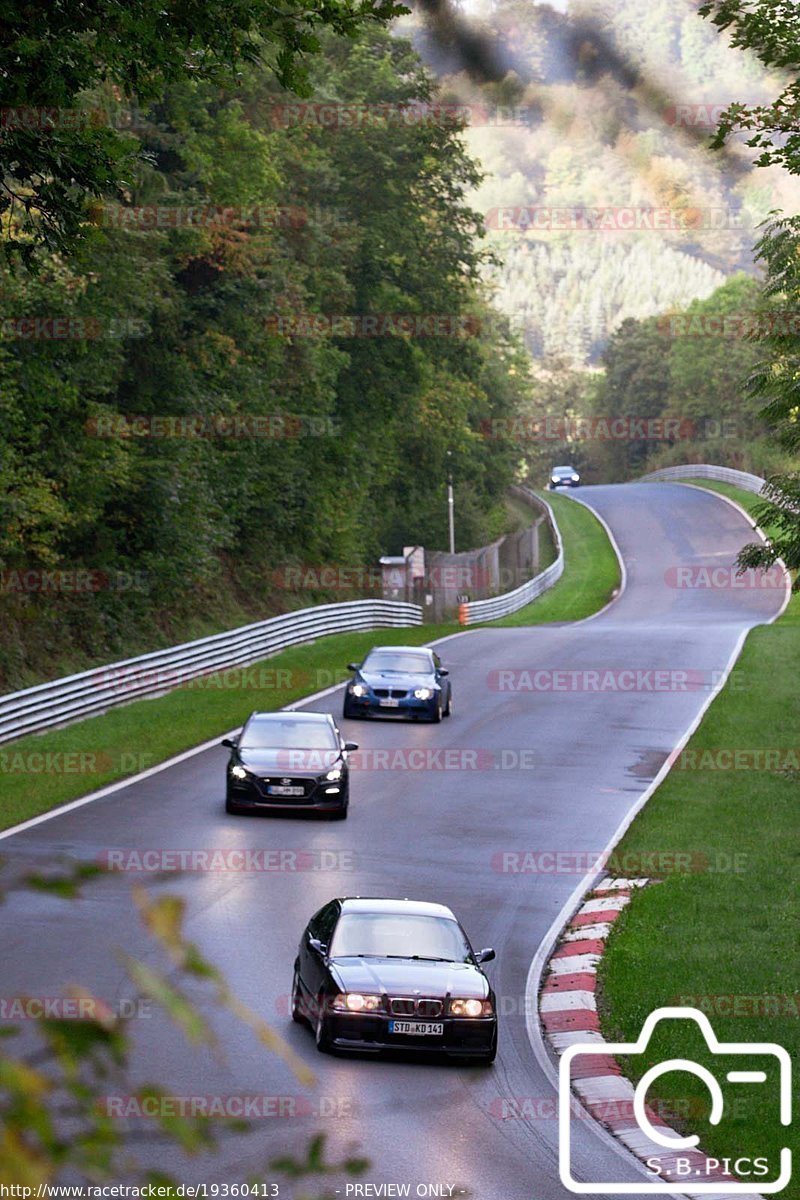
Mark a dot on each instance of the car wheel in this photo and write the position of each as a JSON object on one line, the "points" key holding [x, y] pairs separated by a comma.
{"points": [[448, 712], [348, 713], [321, 1036], [437, 712], [298, 1008], [230, 807], [340, 814]]}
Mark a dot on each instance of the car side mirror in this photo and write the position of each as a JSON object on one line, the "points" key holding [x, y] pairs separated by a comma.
{"points": [[485, 955], [443, 671], [353, 666], [316, 944], [351, 745], [229, 742]]}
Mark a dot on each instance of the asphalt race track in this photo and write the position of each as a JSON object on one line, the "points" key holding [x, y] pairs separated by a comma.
{"points": [[441, 833]]}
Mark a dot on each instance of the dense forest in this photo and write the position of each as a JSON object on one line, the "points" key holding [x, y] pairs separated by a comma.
{"points": [[181, 414]]}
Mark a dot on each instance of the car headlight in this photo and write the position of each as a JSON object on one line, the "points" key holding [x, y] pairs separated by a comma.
{"points": [[334, 773], [238, 772], [356, 1002], [358, 689], [470, 1008], [423, 693]]}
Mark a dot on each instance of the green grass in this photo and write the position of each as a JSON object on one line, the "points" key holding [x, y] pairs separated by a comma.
{"points": [[39, 772], [729, 926], [748, 500], [591, 570], [125, 740]]}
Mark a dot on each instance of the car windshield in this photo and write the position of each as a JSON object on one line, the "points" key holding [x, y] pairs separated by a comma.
{"points": [[406, 664], [269, 734], [563, 471], [399, 935]]}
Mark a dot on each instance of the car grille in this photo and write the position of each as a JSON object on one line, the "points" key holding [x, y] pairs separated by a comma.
{"points": [[394, 693], [410, 1006]]}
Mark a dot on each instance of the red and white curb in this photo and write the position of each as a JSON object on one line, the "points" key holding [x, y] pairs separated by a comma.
{"points": [[568, 1014]]}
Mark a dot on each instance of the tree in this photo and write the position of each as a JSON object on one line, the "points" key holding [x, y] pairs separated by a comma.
{"points": [[57, 150], [771, 29], [59, 1104]]}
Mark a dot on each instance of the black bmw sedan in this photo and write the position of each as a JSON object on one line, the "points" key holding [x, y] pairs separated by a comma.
{"points": [[399, 681], [288, 760], [377, 974]]}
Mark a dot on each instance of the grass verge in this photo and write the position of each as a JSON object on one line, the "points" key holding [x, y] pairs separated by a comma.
{"points": [[721, 934], [591, 570], [42, 771]]}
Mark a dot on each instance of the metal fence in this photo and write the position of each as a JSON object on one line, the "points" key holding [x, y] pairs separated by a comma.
{"points": [[510, 602], [64, 700], [740, 479]]}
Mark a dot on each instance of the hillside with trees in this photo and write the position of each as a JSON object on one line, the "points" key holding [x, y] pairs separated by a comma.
{"points": [[607, 110]]}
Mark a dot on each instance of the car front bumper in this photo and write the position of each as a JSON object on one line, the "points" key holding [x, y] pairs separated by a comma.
{"points": [[462, 1036], [407, 706], [249, 794]]}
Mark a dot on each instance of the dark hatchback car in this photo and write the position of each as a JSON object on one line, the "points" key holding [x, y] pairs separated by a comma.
{"points": [[399, 681], [288, 760], [377, 974]]}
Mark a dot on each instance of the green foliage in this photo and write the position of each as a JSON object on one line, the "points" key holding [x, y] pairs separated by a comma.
{"points": [[771, 30], [62, 1075], [52, 55], [691, 368], [182, 324]]}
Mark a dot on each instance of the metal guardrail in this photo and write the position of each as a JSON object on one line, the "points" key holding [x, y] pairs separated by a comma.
{"points": [[91, 692], [740, 479], [510, 602]]}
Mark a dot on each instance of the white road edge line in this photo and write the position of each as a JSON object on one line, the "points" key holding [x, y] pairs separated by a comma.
{"points": [[623, 570], [543, 952], [589, 881], [177, 758]]}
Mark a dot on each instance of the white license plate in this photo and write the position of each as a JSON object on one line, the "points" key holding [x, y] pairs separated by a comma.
{"points": [[389, 703], [279, 789], [417, 1028]]}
